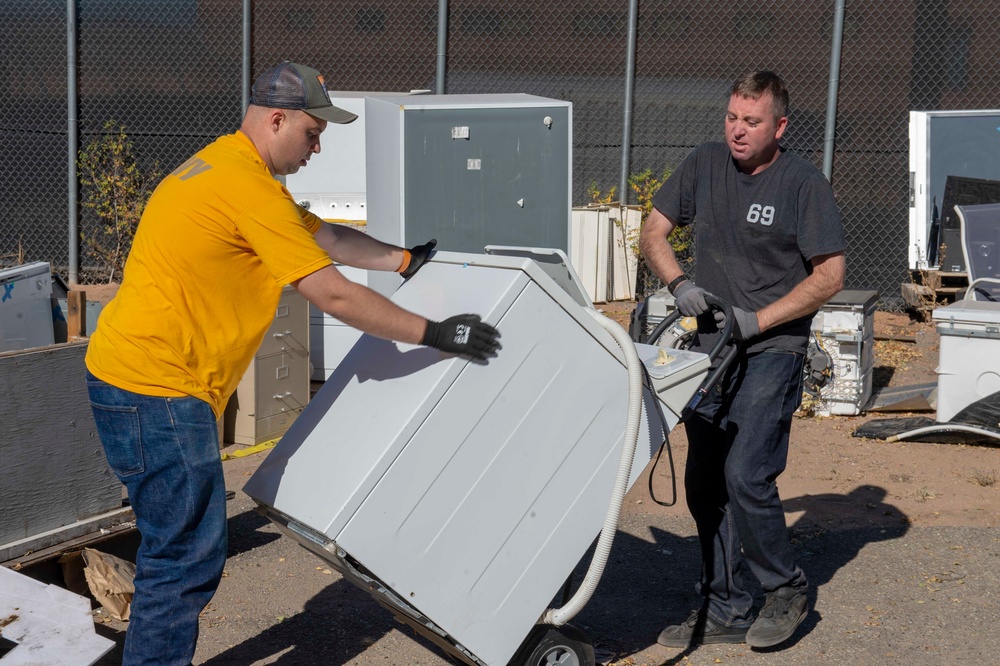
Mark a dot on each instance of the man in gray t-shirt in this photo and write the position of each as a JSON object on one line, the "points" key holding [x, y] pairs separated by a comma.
{"points": [[769, 242]]}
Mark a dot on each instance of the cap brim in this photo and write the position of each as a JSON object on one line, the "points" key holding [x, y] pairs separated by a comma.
{"points": [[333, 114]]}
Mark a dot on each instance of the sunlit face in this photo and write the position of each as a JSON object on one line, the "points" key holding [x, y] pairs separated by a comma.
{"points": [[752, 131], [297, 140]]}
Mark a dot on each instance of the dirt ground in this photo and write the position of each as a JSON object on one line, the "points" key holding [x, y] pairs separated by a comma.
{"points": [[930, 484], [882, 528]]}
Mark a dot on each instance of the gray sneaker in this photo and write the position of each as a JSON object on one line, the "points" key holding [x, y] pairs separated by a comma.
{"points": [[700, 629], [783, 611]]}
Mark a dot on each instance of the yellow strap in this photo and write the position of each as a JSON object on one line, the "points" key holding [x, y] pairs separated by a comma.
{"points": [[250, 450]]}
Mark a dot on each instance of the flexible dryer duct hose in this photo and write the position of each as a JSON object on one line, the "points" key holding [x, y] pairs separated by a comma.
{"points": [[560, 616]]}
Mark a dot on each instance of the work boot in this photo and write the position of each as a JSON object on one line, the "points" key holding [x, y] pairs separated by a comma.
{"points": [[783, 611], [698, 628]]}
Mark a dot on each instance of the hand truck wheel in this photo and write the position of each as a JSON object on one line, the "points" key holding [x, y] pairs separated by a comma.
{"points": [[555, 646]]}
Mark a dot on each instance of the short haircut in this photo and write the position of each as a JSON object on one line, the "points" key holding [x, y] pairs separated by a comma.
{"points": [[753, 85]]}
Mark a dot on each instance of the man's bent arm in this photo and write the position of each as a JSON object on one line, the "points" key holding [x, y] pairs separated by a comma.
{"points": [[826, 280]]}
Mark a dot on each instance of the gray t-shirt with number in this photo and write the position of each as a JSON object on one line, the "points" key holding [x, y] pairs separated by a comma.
{"points": [[755, 235]]}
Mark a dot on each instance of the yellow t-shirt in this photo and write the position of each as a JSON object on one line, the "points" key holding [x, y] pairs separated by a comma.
{"points": [[217, 242]]}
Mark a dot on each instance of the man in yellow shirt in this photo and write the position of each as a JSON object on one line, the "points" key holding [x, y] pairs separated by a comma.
{"points": [[218, 240]]}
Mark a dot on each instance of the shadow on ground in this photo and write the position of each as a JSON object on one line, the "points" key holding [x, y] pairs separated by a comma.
{"points": [[650, 584], [336, 625]]}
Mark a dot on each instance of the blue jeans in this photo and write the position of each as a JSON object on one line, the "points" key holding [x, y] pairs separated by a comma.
{"points": [[166, 452], [737, 448]]}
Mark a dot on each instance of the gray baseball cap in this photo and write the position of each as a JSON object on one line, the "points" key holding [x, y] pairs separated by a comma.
{"points": [[292, 86]]}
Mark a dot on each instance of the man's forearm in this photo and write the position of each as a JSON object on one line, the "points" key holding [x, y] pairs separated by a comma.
{"points": [[826, 280], [360, 307]]}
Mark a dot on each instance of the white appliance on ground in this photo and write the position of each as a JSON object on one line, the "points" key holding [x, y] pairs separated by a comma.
{"points": [[844, 329], [462, 495], [333, 186], [49, 624], [604, 244], [969, 355]]}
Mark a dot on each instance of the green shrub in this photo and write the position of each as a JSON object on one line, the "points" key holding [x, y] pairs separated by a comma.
{"points": [[116, 190]]}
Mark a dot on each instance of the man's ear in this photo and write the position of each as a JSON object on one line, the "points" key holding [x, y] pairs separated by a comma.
{"points": [[782, 126], [276, 118]]}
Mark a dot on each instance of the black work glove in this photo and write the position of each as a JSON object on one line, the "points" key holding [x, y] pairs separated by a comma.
{"points": [[464, 334], [690, 299], [745, 324], [418, 256]]}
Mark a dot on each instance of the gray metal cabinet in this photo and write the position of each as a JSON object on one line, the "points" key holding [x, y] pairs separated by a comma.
{"points": [[275, 389], [468, 170]]}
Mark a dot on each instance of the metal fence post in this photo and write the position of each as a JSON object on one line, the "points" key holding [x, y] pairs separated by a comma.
{"points": [[442, 46], [830, 137], [247, 45], [633, 17], [72, 142]]}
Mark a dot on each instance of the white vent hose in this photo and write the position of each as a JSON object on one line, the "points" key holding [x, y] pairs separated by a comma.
{"points": [[560, 616]]}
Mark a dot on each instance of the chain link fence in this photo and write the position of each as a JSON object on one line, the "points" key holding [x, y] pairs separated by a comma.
{"points": [[387, 46], [33, 182], [170, 75], [164, 73]]}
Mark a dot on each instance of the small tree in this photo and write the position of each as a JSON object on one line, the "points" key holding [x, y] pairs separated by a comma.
{"points": [[645, 185], [116, 190]]}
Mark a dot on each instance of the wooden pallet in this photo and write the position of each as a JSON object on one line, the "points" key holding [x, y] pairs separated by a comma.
{"points": [[931, 287], [83, 533]]}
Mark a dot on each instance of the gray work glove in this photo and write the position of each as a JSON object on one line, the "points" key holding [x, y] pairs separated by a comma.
{"points": [[466, 335], [418, 256], [745, 324], [690, 299]]}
